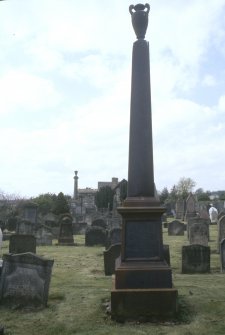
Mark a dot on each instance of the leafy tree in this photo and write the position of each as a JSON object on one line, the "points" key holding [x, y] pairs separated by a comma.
{"points": [[45, 202], [185, 186], [104, 198], [164, 195], [173, 195], [202, 195], [60, 205]]}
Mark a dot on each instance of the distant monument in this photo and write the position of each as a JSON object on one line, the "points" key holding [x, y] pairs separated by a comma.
{"points": [[143, 279]]}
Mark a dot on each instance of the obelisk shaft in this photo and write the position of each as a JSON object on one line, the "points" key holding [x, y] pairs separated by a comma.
{"points": [[140, 170]]}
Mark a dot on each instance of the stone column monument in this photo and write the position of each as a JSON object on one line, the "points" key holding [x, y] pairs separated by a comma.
{"points": [[143, 280], [75, 193]]}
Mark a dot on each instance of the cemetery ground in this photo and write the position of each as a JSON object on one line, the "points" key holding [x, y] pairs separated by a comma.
{"points": [[79, 295]]}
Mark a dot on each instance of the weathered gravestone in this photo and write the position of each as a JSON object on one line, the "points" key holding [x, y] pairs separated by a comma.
{"points": [[25, 279], [30, 212], [43, 235], [114, 236], [66, 232], [110, 255], [194, 220], [180, 209], [95, 236], [190, 207], [24, 227], [221, 231], [19, 244], [176, 228], [195, 259], [198, 234], [99, 223], [222, 255]]}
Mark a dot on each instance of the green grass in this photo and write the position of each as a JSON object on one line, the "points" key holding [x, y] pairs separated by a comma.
{"points": [[79, 292]]}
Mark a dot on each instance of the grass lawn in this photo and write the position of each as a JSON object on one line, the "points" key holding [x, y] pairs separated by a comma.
{"points": [[79, 291]]}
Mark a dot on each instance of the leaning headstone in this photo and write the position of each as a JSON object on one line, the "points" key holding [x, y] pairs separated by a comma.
{"points": [[222, 255], [95, 236], [66, 232], [198, 234], [221, 230], [195, 259], [19, 244], [176, 228], [25, 279], [190, 207], [110, 255]]}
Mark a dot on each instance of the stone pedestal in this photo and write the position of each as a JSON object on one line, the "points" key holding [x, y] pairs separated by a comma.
{"points": [[142, 286]]}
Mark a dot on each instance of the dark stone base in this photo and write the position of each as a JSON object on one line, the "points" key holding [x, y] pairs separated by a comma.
{"points": [[134, 304], [143, 275]]}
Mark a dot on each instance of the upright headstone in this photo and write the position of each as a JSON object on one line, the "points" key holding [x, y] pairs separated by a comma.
{"points": [[24, 227], [25, 280], [43, 235], [222, 255], [195, 259], [99, 223], [66, 232], [180, 209], [30, 212], [143, 279], [190, 207], [198, 234], [95, 236], [176, 228], [194, 220], [221, 231]]}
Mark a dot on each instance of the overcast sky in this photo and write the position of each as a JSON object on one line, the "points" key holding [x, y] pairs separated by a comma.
{"points": [[65, 80]]}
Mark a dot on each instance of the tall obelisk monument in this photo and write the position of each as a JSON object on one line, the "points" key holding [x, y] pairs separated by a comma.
{"points": [[143, 279]]}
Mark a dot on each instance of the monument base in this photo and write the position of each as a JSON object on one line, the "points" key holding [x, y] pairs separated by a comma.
{"points": [[143, 304]]}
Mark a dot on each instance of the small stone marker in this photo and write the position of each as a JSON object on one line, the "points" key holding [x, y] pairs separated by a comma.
{"points": [[176, 228], [25, 279], [19, 244], [195, 259], [198, 234]]}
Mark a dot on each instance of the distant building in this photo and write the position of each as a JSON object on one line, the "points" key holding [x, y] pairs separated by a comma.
{"points": [[111, 184]]}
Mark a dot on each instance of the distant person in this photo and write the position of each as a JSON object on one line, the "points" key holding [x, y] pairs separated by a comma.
{"points": [[213, 214]]}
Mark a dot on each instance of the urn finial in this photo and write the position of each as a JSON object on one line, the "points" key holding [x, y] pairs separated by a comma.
{"points": [[139, 16]]}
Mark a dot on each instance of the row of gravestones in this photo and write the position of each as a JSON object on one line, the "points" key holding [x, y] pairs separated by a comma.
{"points": [[196, 256]]}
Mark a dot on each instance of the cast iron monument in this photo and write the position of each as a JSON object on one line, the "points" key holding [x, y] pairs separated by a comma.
{"points": [[143, 279]]}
